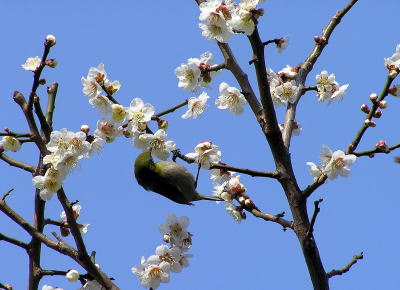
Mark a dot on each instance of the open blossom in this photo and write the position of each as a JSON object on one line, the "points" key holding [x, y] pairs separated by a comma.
{"points": [[47, 186], [393, 63], [65, 140], [338, 165], [338, 94], [328, 87], [230, 98], [215, 13], [218, 31], [282, 43], [119, 113], [176, 228], [196, 106], [32, 63], [152, 275], [206, 154], [98, 74], [157, 143], [172, 256], [220, 175], [288, 72], [242, 16], [101, 103], [112, 86], [107, 130], [139, 114], [188, 75], [90, 87], [76, 208], [315, 171], [233, 212], [10, 143], [286, 92]]}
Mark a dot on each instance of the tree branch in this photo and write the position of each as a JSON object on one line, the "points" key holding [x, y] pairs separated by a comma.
{"points": [[51, 100], [13, 241], [376, 150], [314, 217], [273, 218], [311, 188], [346, 268], [170, 110], [18, 164]]}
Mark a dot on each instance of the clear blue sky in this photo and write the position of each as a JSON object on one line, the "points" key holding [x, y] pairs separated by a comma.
{"points": [[141, 43]]}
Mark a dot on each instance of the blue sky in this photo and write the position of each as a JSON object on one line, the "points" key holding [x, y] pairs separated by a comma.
{"points": [[141, 43]]}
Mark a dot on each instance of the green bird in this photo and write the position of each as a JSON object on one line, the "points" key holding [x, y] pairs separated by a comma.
{"points": [[167, 178]]}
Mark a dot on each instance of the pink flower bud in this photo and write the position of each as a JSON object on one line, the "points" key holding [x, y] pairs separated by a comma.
{"points": [[378, 113], [364, 108], [381, 145], [85, 129], [382, 104], [162, 124], [51, 62], [373, 97]]}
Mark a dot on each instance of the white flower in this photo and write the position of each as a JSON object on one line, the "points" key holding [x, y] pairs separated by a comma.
{"points": [[65, 140], [72, 275], [83, 228], [90, 87], [233, 212], [153, 275], [215, 11], [96, 145], [112, 86], [315, 171], [196, 106], [157, 143], [32, 63], [282, 43], [393, 62], [172, 256], [288, 72], [76, 208], [176, 228], [325, 156], [62, 161], [91, 285], [139, 114], [216, 31], [118, 113], [206, 154], [102, 103], [230, 98], [98, 74], [107, 130], [10, 143], [188, 76], [220, 175], [338, 164], [47, 185], [286, 92], [338, 94], [242, 17]]}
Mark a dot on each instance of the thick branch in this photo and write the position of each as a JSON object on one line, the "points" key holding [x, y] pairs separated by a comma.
{"points": [[346, 268]]}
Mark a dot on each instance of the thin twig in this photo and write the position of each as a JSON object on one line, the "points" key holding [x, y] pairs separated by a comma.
{"points": [[273, 218], [18, 164], [184, 103], [376, 150], [311, 188], [51, 100], [42, 119], [3, 198], [314, 217], [346, 268]]}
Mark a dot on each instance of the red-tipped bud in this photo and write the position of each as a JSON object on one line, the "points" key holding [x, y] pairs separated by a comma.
{"points": [[393, 91], [378, 113], [51, 62], [364, 108], [6, 129], [319, 39], [370, 123], [162, 124], [64, 231], [373, 97], [381, 145], [382, 104], [85, 129]]}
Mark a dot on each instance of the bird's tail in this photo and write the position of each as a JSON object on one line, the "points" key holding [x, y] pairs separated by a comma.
{"points": [[214, 198]]}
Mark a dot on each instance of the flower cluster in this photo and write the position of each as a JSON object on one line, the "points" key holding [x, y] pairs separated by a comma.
{"points": [[66, 148], [333, 164], [206, 154], [393, 63], [282, 85], [222, 18], [156, 269], [157, 143], [328, 88]]}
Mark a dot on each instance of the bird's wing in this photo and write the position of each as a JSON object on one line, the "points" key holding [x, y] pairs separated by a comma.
{"points": [[172, 171]]}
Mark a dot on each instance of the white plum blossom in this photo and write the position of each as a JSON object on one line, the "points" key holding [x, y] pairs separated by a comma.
{"points": [[233, 212], [76, 208], [176, 228], [188, 75], [139, 115], [98, 74], [218, 31], [10, 143], [119, 113], [65, 140], [107, 130], [214, 11], [338, 94], [32, 63], [230, 98], [157, 143], [282, 43], [328, 87], [242, 17], [206, 154], [47, 186], [338, 165], [315, 171], [286, 92], [152, 275], [325, 156], [102, 103], [112, 86], [90, 87], [393, 63], [288, 72], [220, 175], [196, 106], [172, 256], [72, 275]]}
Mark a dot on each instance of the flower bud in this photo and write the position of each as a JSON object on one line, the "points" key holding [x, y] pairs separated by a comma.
{"points": [[85, 129], [126, 133], [226, 196], [319, 39], [1, 149], [382, 104], [393, 73], [167, 238], [97, 266], [373, 97], [50, 40], [42, 82], [370, 123], [378, 114], [394, 91], [364, 108], [162, 124], [381, 145], [72, 275], [64, 231], [241, 199], [51, 62]]}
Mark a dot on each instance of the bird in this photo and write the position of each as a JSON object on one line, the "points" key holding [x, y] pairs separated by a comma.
{"points": [[167, 178]]}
